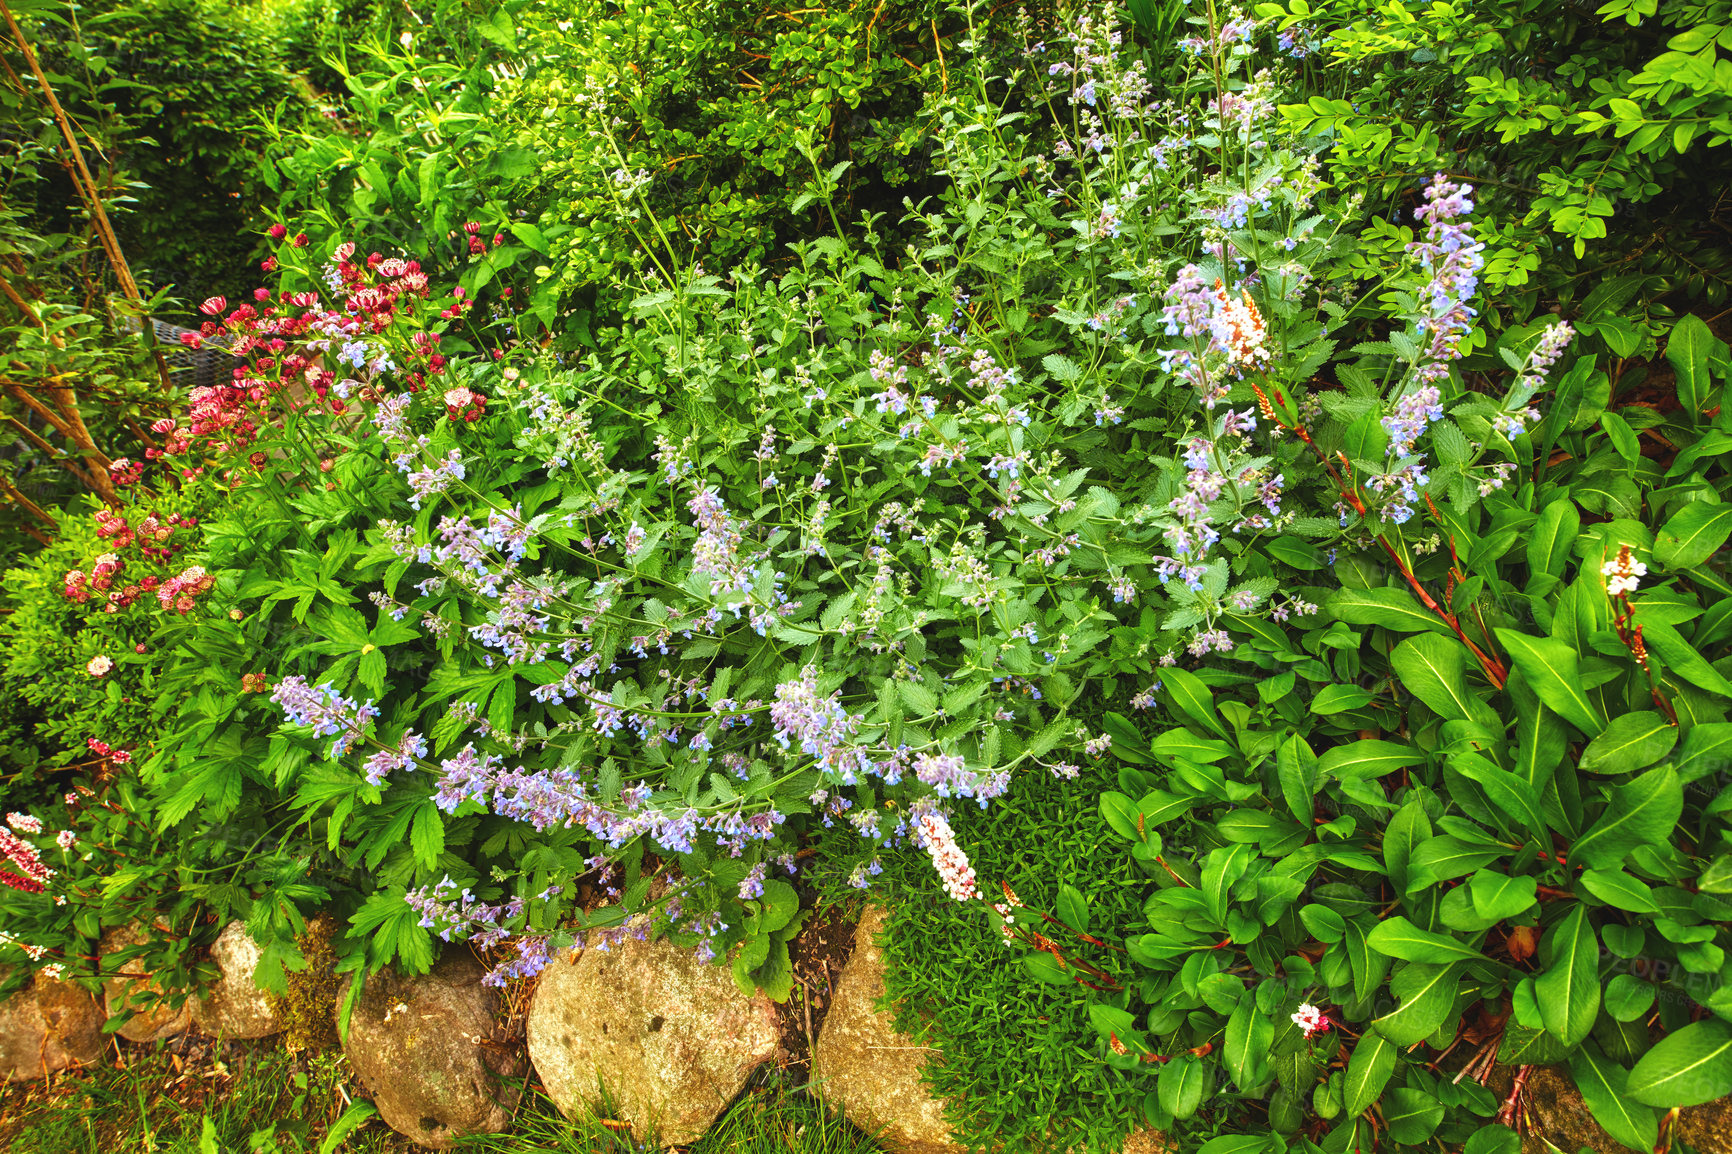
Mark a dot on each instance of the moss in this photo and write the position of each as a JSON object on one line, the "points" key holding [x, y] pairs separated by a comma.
{"points": [[309, 1010]]}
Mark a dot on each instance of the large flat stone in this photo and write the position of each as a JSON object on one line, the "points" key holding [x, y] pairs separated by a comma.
{"points": [[233, 1006], [46, 1027], [431, 1053], [672, 1038], [862, 1065]]}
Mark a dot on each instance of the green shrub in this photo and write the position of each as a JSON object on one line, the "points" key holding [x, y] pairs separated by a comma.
{"points": [[1597, 139]]}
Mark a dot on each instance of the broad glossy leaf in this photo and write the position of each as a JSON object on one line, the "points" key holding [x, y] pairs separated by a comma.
{"points": [[1181, 1085], [1434, 669], [1394, 609], [1631, 742], [1246, 1049], [1603, 1085], [1190, 695], [1499, 896], [1511, 793], [1692, 535], [1689, 347], [1367, 758], [1427, 994], [1621, 891], [1368, 1072], [1707, 749], [1411, 1115], [1686, 1068], [1568, 991], [1640, 812], [1553, 536], [1552, 671], [1400, 938], [1628, 997], [1296, 770], [1680, 657]]}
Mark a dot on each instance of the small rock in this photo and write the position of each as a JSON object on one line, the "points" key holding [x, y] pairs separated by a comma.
{"points": [[234, 1006], [862, 1065], [431, 1053], [672, 1038], [48, 1026], [154, 1016]]}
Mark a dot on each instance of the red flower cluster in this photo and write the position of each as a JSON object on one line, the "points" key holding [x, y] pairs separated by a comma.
{"points": [[103, 749], [178, 592], [463, 404], [22, 854]]}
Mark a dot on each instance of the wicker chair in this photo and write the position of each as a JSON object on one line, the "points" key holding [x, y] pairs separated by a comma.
{"points": [[189, 368]]}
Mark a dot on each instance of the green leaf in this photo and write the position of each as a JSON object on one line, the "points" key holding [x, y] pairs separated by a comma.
{"points": [[1640, 812], [1412, 1116], [1497, 896], [1296, 770], [1397, 937], [1339, 699], [1552, 669], [1632, 741], [1433, 669], [1603, 1086], [1120, 813], [1569, 990], [1692, 535], [1366, 759], [1628, 997], [1189, 694], [1511, 793], [1553, 537], [1181, 1085], [1246, 1052], [1391, 608], [1427, 994], [427, 835], [1681, 657], [1686, 1068], [1688, 349], [1073, 908], [351, 1120], [1368, 1071], [1621, 891]]}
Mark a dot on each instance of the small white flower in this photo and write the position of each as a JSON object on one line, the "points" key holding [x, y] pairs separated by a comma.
{"points": [[98, 665], [1310, 1019], [1623, 573]]}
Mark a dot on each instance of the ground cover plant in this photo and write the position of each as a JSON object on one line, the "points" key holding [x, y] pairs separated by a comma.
{"points": [[1303, 669]]}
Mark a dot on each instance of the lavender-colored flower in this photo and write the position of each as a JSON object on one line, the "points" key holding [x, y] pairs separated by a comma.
{"points": [[328, 712]]}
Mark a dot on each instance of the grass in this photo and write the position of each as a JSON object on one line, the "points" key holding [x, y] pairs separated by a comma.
{"points": [[193, 1097], [1020, 1066]]}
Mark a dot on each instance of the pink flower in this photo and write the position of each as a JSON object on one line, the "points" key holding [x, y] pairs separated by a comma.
{"points": [[947, 857], [165, 425], [24, 823], [98, 665], [278, 232], [213, 305], [1310, 1019], [66, 839]]}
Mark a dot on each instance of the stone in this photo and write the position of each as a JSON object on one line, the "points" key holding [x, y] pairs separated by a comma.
{"points": [[1148, 1142], [671, 1038], [1558, 1115], [868, 1070], [46, 1027], [233, 1006], [432, 1054], [154, 1015]]}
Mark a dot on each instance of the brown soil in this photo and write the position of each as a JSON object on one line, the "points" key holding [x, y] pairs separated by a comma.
{"points": [[818, 952]]}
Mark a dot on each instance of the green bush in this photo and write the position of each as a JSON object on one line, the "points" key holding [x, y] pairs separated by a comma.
{"points": [[1596, 139]]}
